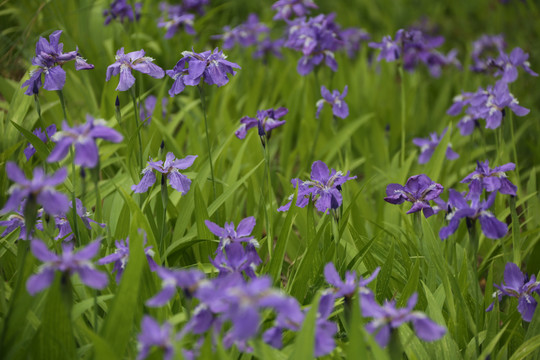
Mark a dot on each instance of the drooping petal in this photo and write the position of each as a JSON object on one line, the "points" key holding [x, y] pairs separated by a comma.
{"points": [[61, 149], [53, 202], [126, 79], [93, 278], [184, 163], [148, 179], [86, 153], [179, 182], [215, 229], [426, 329], [42, 252], [40, 281], [55, 78]]}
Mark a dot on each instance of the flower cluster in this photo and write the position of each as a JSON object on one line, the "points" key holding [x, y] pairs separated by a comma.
{"points": [[175, 17], [415, 47], [324, 188], [208, 65], [488, 104], [245, 34], [484, 50], [287, 8], [121, 10], [317, 38], [50, 58], [169, 169]]}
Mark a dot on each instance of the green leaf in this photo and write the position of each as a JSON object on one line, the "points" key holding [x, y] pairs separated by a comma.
{"points": [[304, 346], [527, 348], [119, 323]]}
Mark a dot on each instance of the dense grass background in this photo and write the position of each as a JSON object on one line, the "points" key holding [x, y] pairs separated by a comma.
{"points": [[367, 143]]}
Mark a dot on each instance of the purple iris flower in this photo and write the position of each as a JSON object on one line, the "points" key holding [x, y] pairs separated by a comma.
{"points": [[488, 104], [68, 262], [414, 47], [484, 48], [267, 47], [231, 257], [39, 189], [50, 58], [169, 168], [147, 110], [132, 61], [84, 138], [483, 177], [15, 221], [318, 39], [43, 136], [174, 17], [265, 121], [188, 280], [517, 285], [388, 317], [428, 146], [152, 334], [245, 34], [419, 190], [352, 38], [336, 102], [507, 64], [62, 223], [324, 188], [287, 8], [352, 283], [121, 10], [120, 258], [491, 227], [210, 66]]}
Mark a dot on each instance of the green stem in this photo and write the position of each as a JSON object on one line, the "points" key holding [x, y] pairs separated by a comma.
{"points": [[403, 111], [137, 123], [62, 102], [268, 178], [319, 122], [73, 202], [474, 243], [95, 178], [164, 201], [203, 104]]}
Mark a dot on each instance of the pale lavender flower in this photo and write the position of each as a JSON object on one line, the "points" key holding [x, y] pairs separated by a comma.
{"points": [[169, 168], [428, 146], [318, 39], [43, 136], [62, 223], [152, 334], [506, 65], [288, 8], [83, 137], [490, 225], [245, 34], [132, 61], [188, 280], [483, 177], [39, 189], [69, 263], [50, 58], [352, 38], [418, 190], [352, 283], [147, 110], [388, 317], [120, 257], [517, 285], [339, 107], [266, 121], [176, 17], [121, 10], [324, 188]]}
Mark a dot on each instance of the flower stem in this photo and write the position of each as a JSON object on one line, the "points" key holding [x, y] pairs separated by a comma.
{"points": [[319, 123], [137, 129], [267, 213], [164, 201], [403, 111], [95, 178], [73, 202], [203, 104], [63, 103]]}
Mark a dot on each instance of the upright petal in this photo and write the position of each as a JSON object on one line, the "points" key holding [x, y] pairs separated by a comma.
{"points": [[245, 227], [320, 172], [184, 163]]}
